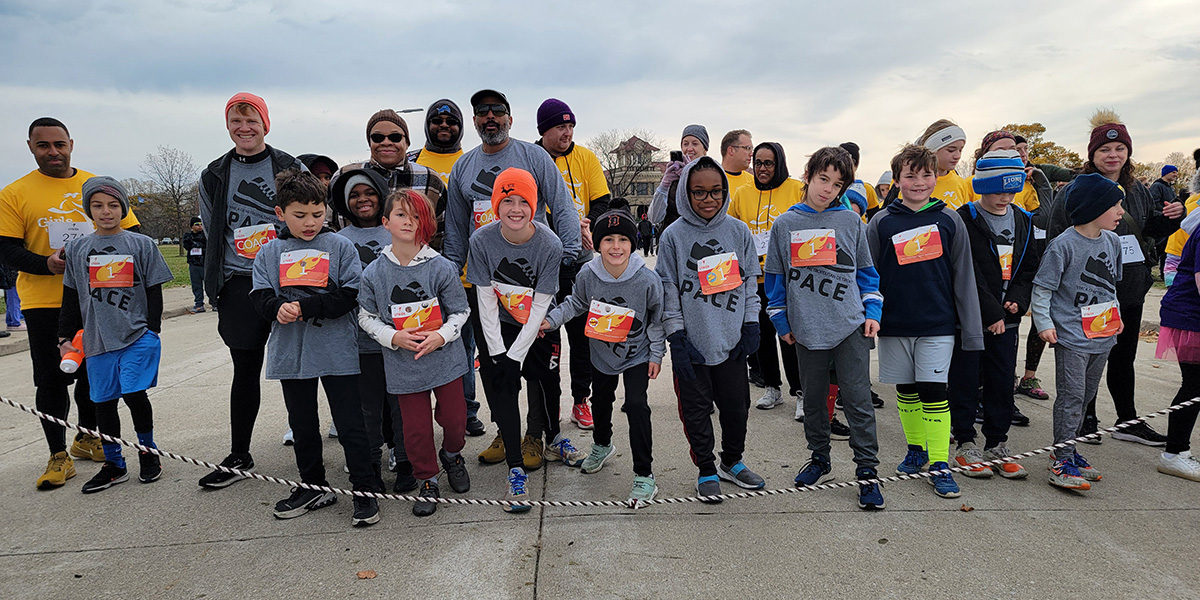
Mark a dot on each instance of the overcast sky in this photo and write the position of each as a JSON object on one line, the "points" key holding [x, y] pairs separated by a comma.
{"points": [[129, 75]]}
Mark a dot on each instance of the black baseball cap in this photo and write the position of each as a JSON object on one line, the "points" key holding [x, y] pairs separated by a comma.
{"points": [[477, 96]]}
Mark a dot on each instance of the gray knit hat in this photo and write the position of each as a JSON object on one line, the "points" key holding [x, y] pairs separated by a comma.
{"points": [[698, 132], [107, 185]]}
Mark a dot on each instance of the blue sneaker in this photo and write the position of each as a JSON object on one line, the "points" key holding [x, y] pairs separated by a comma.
{"points": [[1086, 470], [516, 490], [916, 458], [816, 470], [870, 495], [943, 485], [709, 486], [741, 476]]}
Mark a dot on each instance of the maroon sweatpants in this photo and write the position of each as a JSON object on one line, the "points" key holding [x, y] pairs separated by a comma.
{"points": [[418, 416]]}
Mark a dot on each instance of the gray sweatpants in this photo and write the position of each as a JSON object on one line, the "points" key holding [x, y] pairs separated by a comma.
{"points": [[1076, 379], [852, 359]]}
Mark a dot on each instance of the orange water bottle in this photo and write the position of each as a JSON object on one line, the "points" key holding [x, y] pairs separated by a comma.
{"points": [[71, 361]]}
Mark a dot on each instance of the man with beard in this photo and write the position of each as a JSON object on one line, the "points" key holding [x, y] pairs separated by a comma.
{"points": [[443, 139]]}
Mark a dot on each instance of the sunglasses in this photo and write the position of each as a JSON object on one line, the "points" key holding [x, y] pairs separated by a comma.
{"points": [[451, 121], [394, 138], [496, 109]]}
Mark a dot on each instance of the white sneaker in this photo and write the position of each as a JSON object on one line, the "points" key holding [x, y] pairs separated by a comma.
{"points": [[770, 399], [1181, 465], [332, 430], [799, 409], [288, 439], [392, 459]]}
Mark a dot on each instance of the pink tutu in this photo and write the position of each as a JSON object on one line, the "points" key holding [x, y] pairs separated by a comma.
{"points": [[1178, 345]]}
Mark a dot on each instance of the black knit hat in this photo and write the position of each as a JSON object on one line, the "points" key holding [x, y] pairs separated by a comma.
{"points": [[617, 220], [1092, 195]]}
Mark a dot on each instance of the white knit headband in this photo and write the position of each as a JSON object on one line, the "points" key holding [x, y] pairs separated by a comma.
{"points": [[944, 137]]}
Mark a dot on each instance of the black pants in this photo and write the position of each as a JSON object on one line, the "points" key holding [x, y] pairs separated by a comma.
{"points": [[992, 371], [52, 396], [768, 358], [727, 386], [501, 378], [581, 352], [541, 372], [1034, 346], [300, 396], [1181, 422], [637, 410], [1120, 365], [381, 419], [245, 333], [139, 409], [647, 245]]}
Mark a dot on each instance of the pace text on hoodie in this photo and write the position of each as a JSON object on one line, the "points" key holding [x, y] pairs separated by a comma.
{"points": [[925, 296], [713, 322], [638, 289]]}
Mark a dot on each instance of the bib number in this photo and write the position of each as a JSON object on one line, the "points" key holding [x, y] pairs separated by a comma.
{"points": [[1131, 250], [196, 252], [111, 271], [62, 232], [608, 323], [249, 240], [719, 273], [918, 244], [518, 301], [1006, 258], [814, 247], [762, 242], [1101, 320], [482, 213], [425, 315], [304, 267]]}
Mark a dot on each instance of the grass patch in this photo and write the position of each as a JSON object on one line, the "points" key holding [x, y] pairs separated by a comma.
{"points": [[179, 266]]}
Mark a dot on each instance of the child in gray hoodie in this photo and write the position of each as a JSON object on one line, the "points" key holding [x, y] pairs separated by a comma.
{"points": [[709, 266]]}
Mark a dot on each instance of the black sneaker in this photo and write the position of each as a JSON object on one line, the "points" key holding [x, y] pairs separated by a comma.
{"points": [[110, 474], [475, 427], [837, 402], [302, 501], [876, 401], [456, 472], [1090, 425], [219, 479], [429, 489], [366, 512], [1141, 433], [151, 467], [838, 430], [1019, 419], [757, 380], [405, 482]]}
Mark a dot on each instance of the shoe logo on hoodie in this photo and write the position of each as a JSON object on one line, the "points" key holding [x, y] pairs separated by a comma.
{"points": [[256, 193], [367, 253]]}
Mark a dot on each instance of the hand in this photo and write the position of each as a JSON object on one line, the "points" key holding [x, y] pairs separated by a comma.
{"points": [[671, 174], [57, 262], [407, 339], [1121, 328], [654, 370], [585, 233], [751, 338], [1029, 172], [870, 328], [545, 325], [1050, 336], [997, 328], [288, 313], [683, 354], [789, 338], [66, 348], [1173, 210], [432, 342], [1011, 307]]}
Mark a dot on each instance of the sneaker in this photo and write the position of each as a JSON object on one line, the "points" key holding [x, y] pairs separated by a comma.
{"points": [[456, 472], [1032, 387], [1063, 474], [4, 333], [59, 469], [877, 402], [405, 482], [1180, 465], [870, 495], [196, 310], [709, 486], [219, 479], [562, 449], [770, 399], [756, 379], [1086, 470], [429, 489], [302, 501], [1007, 470], [110, 474], [838, 430], [943, 485], [516, 490], [288, 437], [149, 467], [21, 327], [800, 409], [916, 458], [1018, 418], [89, 447], [366, 512], [741, 476], [333, 432], [581, 415], [1142, 433], [392, 459], [595, 459], [493, 454], [1091, 425], [644, 488], [815, 471], [531, 453], [968, 455], [475, 427]]}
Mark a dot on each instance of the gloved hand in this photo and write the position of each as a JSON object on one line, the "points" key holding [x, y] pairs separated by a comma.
{"points": [[748, 345], [683, 355], [671, 173]]}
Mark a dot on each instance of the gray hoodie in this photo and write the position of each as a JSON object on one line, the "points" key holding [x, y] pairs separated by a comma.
{"points": [[691, 246], [597, 293]]}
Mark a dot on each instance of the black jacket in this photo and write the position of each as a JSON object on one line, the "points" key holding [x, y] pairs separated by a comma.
{"points": [[989, 277], [194, 240]]}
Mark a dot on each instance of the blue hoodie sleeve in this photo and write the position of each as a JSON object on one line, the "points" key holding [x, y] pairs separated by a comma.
{"points": [[776, 285], [868, 287]]}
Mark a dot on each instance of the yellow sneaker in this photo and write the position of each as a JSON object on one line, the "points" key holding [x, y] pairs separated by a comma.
{"points": [[58, 471], [88, 446], [494, 453], [531, 453]]}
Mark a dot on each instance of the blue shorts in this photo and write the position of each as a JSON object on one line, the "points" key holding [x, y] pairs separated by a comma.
{"points": [[133, 368]]}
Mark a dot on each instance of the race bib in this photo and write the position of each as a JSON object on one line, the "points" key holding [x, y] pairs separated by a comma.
{"points": [[425, 315], [249, 240], [1039, 233], [62, 232], [196, 252], [1006, 257], [762, 241], [814, 247], [719, 273], [304, 267], [483, 213], [608, 323], [918, 245], [1131, 250], [111, 271], [1101, 320], [518, 301]]}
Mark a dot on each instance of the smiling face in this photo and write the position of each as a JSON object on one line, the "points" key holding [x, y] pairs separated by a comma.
{"points": [[948, 156], [823, 188], [401, 224], [51, 148], [916, 185], [764, 165], [616, 250], [706, 191], [444, 128], [388, 144], [492, 121], [692, 148], [303, 220], [246, 129], [1109, 159], [106, 213], [557, 139], [363, 202], [514, 212]]}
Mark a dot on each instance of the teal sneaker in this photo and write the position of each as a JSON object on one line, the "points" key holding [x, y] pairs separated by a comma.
{"points": [[595, 460], [644, 489]]}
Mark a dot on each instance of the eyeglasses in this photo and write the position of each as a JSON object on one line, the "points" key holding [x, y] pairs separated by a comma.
{"points": [[451, 121], [496, 109], [394, 138], [746, 148], [717, 194], [764, 163]]}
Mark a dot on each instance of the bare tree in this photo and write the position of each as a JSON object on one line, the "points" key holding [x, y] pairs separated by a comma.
{"points": [[174, 177], [625, 154]]}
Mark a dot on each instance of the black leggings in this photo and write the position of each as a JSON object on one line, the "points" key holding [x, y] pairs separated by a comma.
{"points": [[1120, 376], [1181, 422], [245, 396], [52, 396], [1034, 346], [139, 409]]}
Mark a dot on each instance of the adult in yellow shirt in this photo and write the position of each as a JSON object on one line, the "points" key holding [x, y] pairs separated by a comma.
{"points": [[1037, 186], [443, 139], [758, 205], [736, 154], [39, 214]]}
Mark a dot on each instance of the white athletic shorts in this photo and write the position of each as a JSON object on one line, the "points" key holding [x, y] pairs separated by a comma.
{"points": [[913, 359]]}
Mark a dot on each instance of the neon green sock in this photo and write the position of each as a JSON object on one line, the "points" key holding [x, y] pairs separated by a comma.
{"points": [[910, 418], [936, 416]]}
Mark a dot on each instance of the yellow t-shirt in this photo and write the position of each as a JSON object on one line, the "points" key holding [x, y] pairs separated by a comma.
{"points": [[37, 207], [440, 163], [584, 176], [1179, 238], [872, 197], [1027, 198], [758, 209], [737, 181]]}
